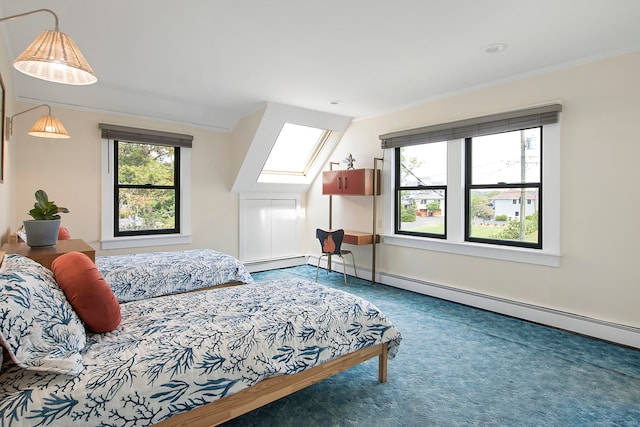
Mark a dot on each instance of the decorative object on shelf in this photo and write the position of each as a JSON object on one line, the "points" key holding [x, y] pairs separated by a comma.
{"points": [[349, 160], [47, 126], [53, 56], [43, 229]]}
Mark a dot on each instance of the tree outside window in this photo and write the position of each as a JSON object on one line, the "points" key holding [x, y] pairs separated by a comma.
{"points": [[146, 188]]}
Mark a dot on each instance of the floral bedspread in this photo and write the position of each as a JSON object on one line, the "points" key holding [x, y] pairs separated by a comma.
{"points": [[173, 353], [146, 275]]}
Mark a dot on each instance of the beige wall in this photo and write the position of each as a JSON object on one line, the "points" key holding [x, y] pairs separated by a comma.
{"points": [[600, 213], [7, 190], [69, 170], [597, 277]]}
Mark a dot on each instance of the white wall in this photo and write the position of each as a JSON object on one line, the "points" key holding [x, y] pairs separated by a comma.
{"points": [[598, 277], [7, 190], [69, 170]]}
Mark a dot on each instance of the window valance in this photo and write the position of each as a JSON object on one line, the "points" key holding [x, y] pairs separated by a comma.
{"points": [[155, 137], [478, 126]]}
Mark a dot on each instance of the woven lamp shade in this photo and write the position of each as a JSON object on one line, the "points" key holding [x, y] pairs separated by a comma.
{"points": [[54, 56], [48, 127]]}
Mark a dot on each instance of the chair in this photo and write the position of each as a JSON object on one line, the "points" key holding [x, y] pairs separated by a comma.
{"points": [[331, 244]]}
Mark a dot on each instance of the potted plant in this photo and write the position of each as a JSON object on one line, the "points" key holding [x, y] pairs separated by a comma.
{"points": [[43, 229]]}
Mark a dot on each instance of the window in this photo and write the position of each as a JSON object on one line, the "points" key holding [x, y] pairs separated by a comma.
{"points": [[146, 192], [294, 151], [146, 189], [421, 171], [491, 192], [503, 186]]}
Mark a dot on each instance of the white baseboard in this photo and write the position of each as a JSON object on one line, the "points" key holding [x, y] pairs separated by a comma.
{"points": [[274, 264], [596, 328]]}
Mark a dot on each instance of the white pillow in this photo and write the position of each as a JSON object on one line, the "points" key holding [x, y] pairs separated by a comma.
{"points": [[38, 326]]}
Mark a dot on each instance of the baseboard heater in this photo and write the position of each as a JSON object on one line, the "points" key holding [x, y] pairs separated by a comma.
{"points": [[583, 325], [274, 264]]}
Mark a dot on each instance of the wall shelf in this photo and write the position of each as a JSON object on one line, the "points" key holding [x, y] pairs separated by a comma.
{"points": [[355, 182]]}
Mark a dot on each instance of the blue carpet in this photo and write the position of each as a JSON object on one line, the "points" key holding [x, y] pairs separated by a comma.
{"points": [[460, 366]]}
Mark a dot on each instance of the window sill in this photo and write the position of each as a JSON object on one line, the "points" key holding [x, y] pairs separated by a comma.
{"points": [[504, 253], [144, 241]]}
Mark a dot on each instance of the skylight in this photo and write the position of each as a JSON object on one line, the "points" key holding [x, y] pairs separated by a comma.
{"points": [[295, 150]]}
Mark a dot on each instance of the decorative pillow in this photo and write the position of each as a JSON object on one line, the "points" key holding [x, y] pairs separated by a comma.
{"points": [[63, 233], [87, 291], [38, 326]]}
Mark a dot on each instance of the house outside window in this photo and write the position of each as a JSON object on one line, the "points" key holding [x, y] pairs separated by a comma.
{"points": [[421, 171], [504, 167], [146, 187], [495, 170]]}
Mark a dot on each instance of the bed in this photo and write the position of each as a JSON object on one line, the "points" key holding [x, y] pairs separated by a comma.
{"points": [[195, 358], [146, 275]]}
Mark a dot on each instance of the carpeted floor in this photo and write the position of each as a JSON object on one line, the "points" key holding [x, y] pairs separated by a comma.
{"points": [[460, 366]]}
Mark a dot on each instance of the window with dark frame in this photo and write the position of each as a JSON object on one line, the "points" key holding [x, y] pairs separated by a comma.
{"points": [[502, 175], [146, 189], [500, 168], [145, 174], [421, 174]]}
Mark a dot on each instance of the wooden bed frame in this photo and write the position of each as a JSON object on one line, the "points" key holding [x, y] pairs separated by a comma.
{"points": [[272, 389]]}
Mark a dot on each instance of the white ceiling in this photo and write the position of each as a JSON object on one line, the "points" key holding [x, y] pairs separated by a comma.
{"points": [[210, 62]]}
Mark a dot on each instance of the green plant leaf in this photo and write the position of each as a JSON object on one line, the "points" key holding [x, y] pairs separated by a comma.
{"points": [[45, 209]]}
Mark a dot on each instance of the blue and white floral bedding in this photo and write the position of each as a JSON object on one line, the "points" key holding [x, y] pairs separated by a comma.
{"points": [[146, 275], [173, 353]]}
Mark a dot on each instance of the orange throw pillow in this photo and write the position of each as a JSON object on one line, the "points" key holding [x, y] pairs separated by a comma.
{"points": [[63, 233], [87, 291]]}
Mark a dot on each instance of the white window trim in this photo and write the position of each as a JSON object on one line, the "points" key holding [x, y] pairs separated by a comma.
{"points": [[549, 255], [108, 241]]}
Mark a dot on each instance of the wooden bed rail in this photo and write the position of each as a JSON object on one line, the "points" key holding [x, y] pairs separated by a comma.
{"points": [[272, 389]]}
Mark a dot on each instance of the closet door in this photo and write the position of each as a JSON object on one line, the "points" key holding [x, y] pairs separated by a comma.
{"points": [[269, 229], [283, 228], [256, 223]]}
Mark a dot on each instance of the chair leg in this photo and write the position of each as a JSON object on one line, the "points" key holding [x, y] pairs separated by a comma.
{"points": [[344, 269], [353, 259], [318, 268]]}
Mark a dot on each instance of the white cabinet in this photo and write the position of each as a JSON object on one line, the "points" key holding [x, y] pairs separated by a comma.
{"points": [[268, 229]]}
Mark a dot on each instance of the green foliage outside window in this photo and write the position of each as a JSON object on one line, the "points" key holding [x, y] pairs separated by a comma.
{"points": [[480, 207], [148, 207], [512, 230], [408, 213]]}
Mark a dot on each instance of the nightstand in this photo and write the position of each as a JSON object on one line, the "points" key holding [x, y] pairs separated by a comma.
{"points": [[45, 256]]}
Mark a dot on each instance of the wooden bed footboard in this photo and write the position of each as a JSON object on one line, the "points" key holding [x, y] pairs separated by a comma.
{"points": [[272, 389]]}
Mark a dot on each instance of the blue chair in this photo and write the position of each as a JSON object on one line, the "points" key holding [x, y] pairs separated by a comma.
{"points": [[331, 244]]}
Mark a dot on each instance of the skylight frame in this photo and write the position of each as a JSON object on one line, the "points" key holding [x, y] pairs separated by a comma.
{"points": [[283, 144]]}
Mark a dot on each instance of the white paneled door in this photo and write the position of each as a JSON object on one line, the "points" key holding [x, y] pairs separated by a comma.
{"points": [[268, 229]]}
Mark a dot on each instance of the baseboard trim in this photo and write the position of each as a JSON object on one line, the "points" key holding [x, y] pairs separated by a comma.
{"points": [[583, 325], [274, 264], [596, 328]]}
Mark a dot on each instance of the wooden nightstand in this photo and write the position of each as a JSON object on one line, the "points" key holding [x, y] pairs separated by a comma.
{"points": [[45, 256]]}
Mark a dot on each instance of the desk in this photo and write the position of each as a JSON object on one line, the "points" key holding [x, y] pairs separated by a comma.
{"points": [[359, 238], [45, 256]]}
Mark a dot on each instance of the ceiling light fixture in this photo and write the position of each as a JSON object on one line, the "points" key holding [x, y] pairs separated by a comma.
{"points": [[54, 57], [495, 48], [47, 126]]}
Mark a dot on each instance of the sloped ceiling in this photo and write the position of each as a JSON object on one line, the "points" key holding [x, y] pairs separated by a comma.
{"points": [[209, 63], [256, 144]]}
